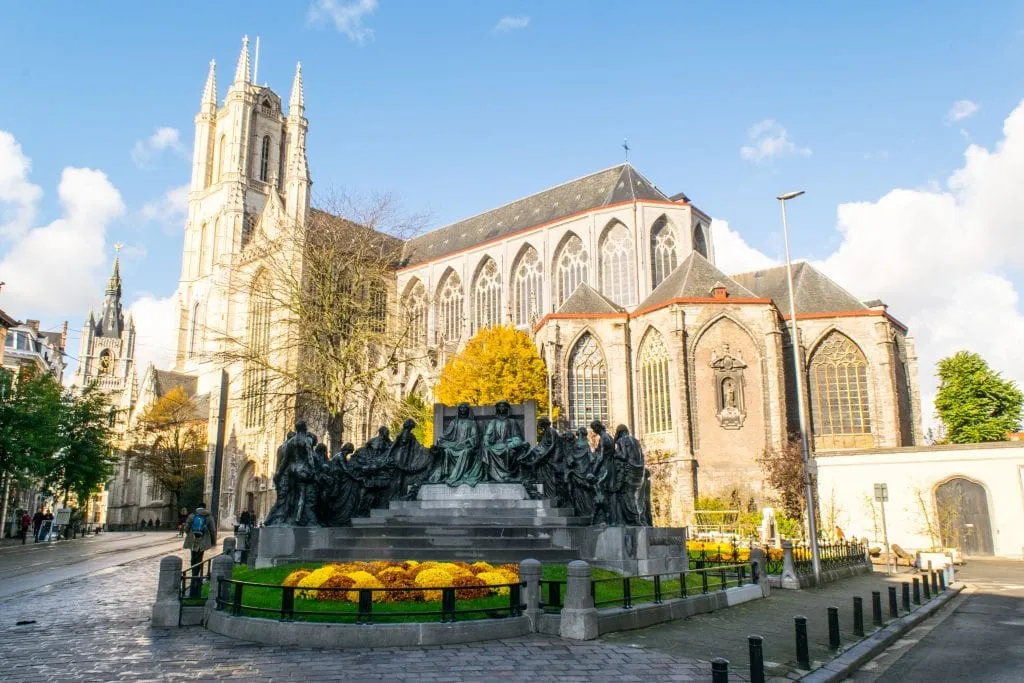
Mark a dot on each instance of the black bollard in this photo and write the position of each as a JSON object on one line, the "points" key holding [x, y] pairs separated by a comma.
{"points": [[894, 610], [755, 644], [833, 628], [942, 580], [917, 591], [858, 616], [935, 582], [876, 608], [803, 655], [720, 671], [927, 588], [906, 596]]}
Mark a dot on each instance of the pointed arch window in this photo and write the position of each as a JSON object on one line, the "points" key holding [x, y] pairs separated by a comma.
{"points": [[487, 296], [416, 314], [264, 158], [449, 308], [588, 383], [201, 260], [258, 333], [527, 280], [664, 256], [377, 296], [655, 395], [700, 241], [194, 342], [618, 265], [839, 393], [221, 150], [571, 268]]}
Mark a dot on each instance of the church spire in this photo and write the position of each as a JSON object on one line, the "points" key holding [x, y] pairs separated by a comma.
{"points": [[209, 102], [243, 70], [114, 283], [111, 321], [297, 102]]}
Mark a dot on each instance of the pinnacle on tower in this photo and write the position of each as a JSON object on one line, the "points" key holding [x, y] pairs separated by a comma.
{"points": [[297, 102], [114, 283], [210, 89], [243, 70]]}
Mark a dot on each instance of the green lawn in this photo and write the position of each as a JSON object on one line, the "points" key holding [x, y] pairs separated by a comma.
{"points": [[266, 602]]}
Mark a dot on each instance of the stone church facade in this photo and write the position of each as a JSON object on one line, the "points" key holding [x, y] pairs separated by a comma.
{"points": [[614, 279]]}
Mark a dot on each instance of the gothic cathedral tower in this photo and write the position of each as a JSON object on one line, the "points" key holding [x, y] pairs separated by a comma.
{"points": [[248, 155]]}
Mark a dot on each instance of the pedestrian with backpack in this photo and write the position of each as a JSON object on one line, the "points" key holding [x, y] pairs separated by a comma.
{"points": [[200, 536]]}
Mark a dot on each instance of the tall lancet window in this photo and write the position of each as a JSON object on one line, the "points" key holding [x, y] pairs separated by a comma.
{"points": [[664, 258], [527, 279], [839, 393], [487, 296], [221, 151], [258, 333], [195, 342], [655, 396], [571, 268], [449, 308], [416, 315], [265, 158], [588, 383], [618, 265], [201, 256], [700, 241]]}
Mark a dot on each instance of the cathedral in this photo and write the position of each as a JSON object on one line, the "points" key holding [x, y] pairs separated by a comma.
{"points": [[613, 278]]}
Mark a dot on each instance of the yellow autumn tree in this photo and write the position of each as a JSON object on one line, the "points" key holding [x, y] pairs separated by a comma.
{"points": [[498, 363]]}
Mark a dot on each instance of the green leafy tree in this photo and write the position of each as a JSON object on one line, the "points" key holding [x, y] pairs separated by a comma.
{"points": [[30, 434], [974, 402], [85, 459], [498, 363]]}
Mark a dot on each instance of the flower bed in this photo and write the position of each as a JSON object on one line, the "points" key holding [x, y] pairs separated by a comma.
{"points": [[716, 551]]}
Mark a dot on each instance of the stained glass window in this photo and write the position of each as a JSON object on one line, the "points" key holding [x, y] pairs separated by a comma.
{"points": [[449, 308], [527, 279], [487, 296], [618, 265], [664, 258], [839, 388], [588, 383], [655, 396], [572, 268]]}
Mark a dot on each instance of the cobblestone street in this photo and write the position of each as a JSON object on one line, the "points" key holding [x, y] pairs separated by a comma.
{"points": [[96, 628]]}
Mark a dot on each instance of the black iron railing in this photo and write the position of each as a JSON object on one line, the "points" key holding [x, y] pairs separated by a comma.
{"points": [[190, 591], [832, 555], [288, 607], [629, 591], [701, 558], [552, 594]]}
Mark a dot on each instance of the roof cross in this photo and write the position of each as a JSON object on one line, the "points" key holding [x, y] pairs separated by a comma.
{"points": [[625, 146]]}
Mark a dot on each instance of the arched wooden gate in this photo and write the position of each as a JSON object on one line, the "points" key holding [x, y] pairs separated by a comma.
{"points": [[962, 507]]}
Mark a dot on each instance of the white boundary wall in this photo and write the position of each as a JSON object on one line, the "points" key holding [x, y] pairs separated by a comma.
{"points": [[846, 490]]}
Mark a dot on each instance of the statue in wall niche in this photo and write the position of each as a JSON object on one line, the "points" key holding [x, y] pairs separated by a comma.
{"points": [[544, 463], [296, 481], [579, 479], [607, 479], [503, 446], [413, 463], [630, 460], [728, 366], [459, 462]]}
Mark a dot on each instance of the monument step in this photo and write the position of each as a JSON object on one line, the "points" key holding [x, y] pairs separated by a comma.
{"points": [[421, 530], [503, 513], [471, 503], [492, 555], [477, 520], [443, 542]]}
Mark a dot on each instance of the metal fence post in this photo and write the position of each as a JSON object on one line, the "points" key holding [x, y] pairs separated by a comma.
{"points": [[755, 646], [876, 608], [906, 596], [833, 628], [894, 610], [858, 616], [803, 656], [720, 671]]}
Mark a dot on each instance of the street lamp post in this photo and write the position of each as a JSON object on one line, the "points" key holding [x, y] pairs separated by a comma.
{"points": [[812, 524]]}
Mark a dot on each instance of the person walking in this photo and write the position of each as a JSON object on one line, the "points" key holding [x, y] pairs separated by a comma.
{"points": [[37, 521], [199, 537], [26, 523]]}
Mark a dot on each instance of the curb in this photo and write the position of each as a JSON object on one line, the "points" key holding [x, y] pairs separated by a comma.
{"points": [[841, 667]]}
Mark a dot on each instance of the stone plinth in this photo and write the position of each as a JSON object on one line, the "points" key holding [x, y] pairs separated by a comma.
{"points": [[635, 550], [483, 491]]}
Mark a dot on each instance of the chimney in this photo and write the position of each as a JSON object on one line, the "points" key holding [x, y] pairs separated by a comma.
{"points": [[719, 291], [33, 325]]}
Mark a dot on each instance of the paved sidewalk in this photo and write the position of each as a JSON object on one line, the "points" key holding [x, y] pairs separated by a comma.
{"points": [[724, 633]]}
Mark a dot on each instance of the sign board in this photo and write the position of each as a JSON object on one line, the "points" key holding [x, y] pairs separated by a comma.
{"points": [[63, 517], [882, 493]]}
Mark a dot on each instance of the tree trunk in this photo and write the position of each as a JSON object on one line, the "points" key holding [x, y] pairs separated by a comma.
{"points": [[3, 505], [334, 435]]}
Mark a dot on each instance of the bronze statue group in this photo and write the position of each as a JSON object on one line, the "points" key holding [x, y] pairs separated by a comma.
{"points": [[601, 478]]}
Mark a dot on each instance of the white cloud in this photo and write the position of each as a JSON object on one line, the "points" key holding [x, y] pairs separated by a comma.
{"points": [[962, 109], [509, 24], [769, 140], [169, 211], [732, 253], [18, 196], [134, 252], [156, 331], [56, 269], [145, 152], [347, 17]]}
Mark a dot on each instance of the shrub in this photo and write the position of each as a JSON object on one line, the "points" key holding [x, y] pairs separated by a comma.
{"points": [[495, 578], [478, 567], [433, 577], [365, 580]]}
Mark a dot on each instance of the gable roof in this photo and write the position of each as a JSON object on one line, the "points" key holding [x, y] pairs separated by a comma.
{"points": [[611, 186], [586, 299], [6, 320], [814, 292], [694, 278], [166, 380]]}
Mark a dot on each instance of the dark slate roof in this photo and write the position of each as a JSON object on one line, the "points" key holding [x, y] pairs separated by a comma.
{"points": [[6, 320], [202, 404], [165, 380], [815, 293], [695, 277], [604, 188], [56, 339], [586, 299]]}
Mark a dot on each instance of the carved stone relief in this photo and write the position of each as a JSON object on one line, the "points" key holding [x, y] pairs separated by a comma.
{"points": [[729, 399]]}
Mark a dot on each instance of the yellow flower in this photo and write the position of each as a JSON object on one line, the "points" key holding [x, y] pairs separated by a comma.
{"points": [[314, 580], [496, 578], [365, 580], [482, 567], [296, 576], [431, 578]]}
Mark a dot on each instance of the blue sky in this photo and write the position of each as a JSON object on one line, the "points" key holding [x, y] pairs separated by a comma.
{"points": [[455, 111]]}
